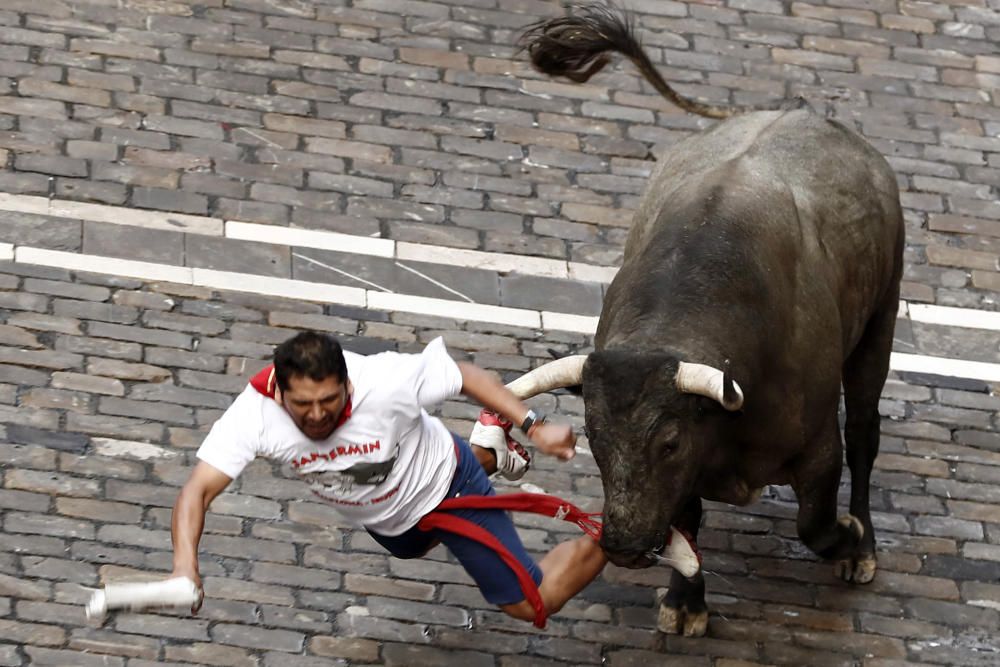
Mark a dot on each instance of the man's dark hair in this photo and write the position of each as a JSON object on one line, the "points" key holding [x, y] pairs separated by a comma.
{"points": [[310, 354]]}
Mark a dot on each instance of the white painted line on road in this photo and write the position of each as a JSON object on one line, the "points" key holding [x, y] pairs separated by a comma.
{"points": [[130, 449], [103, 265], [989, 604], [458, 310], [115, 215], [133, 217], [568, 322], [592, 273], [284, 287], [955, 317], [306, 238], [309, 238], [417, 252], [487, 261], [24, 203], [6, 252], [387, 248], [917, 363]]}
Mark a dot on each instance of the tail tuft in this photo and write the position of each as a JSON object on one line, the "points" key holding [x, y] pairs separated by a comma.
{"points": [[577, 46]]}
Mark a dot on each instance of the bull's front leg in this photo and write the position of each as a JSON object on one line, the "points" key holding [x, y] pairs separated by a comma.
{"points": [[815, 481], [683, 608]]}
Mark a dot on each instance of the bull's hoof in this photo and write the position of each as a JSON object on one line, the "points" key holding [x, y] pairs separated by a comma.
{"points": [[859, 570], [670, 621], [695, 624], [673, 621]]}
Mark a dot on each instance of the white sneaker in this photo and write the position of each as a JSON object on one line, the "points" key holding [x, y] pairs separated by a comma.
{"points": [[493, 432]]}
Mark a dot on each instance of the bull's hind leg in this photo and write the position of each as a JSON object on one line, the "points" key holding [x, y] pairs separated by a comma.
{"points": [[683, 609], [864, 375], [815, 480]]}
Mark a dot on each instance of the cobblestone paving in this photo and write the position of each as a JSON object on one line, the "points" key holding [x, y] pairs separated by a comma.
{"points": [[91, 365], [415, 121]]}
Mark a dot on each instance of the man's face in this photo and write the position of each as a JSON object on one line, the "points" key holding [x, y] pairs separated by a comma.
{"points": [[315, 406]]}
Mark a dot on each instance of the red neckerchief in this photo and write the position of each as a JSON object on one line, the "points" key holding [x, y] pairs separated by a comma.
{"points": [[265, 383], [345, 414]]}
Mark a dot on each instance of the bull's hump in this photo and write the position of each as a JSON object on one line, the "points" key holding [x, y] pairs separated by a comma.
{"points": [[713, 155], [727, 141]]}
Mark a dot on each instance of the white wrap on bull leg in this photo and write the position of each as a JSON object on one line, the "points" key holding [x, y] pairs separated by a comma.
{"points": [[178, 592], [680, 554]]}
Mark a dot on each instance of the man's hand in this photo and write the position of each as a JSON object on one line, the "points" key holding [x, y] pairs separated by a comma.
{"points": [[554, 439], [193, 575], [484, 387]]}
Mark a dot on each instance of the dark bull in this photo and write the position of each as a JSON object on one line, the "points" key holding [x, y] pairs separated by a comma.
{"points": [[760, 274]]}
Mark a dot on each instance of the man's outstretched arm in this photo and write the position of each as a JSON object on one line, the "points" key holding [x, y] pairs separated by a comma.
{"points": [[484, 387], [188, 521]]}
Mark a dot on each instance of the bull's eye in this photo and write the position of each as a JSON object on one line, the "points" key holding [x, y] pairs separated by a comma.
{"points": [[666, 430], [667, 437]]}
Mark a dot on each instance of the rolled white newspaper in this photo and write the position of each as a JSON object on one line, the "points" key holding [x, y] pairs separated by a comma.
{"points": [[177, 592], [680, 554]]}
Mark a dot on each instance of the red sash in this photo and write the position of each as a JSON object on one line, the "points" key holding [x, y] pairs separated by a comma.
{"points": [[524, 502]]}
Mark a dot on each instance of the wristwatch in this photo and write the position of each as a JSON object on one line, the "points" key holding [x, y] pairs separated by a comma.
{"points": [[531, 419]]}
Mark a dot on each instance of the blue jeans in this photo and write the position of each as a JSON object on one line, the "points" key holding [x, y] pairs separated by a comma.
{"points": [[496, 581]]}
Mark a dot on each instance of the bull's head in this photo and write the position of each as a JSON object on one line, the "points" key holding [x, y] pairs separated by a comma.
{"points": [[647, 425]]}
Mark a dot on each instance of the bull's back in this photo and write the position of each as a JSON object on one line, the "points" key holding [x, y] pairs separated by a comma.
{"points": [[808, 195]]}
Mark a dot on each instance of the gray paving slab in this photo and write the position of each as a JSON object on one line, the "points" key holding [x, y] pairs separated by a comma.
{"points": [[556, 294], [903, 337], [958, 343], [40, 231], [146, 245], [251, 110], [222, 254], [423, 279], [933, 495]]}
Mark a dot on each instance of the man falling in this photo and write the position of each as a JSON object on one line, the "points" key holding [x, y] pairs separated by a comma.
{"points": [[356, 430]]}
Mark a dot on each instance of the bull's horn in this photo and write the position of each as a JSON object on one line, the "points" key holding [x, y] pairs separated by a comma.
{"points": [[565, 372], [711, 382]]}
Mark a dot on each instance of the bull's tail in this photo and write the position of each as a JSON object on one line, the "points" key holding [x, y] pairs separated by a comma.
{"points": [[577, 47]]}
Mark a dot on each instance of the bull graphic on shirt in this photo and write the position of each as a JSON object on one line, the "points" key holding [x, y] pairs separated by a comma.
{"points": [[343, 481]]}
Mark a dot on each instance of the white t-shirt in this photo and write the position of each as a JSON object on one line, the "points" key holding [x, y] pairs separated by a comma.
{"points": [[384, 468]]}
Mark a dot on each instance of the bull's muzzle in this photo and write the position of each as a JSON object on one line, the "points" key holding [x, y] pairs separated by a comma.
{"points": [[626, 549], [675, 550]]}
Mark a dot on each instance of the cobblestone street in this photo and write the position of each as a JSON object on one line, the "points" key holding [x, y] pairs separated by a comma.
{"points": [[186, 184]]}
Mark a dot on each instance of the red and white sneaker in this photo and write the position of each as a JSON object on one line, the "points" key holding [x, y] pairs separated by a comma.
{"points": [[493, 432]]}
